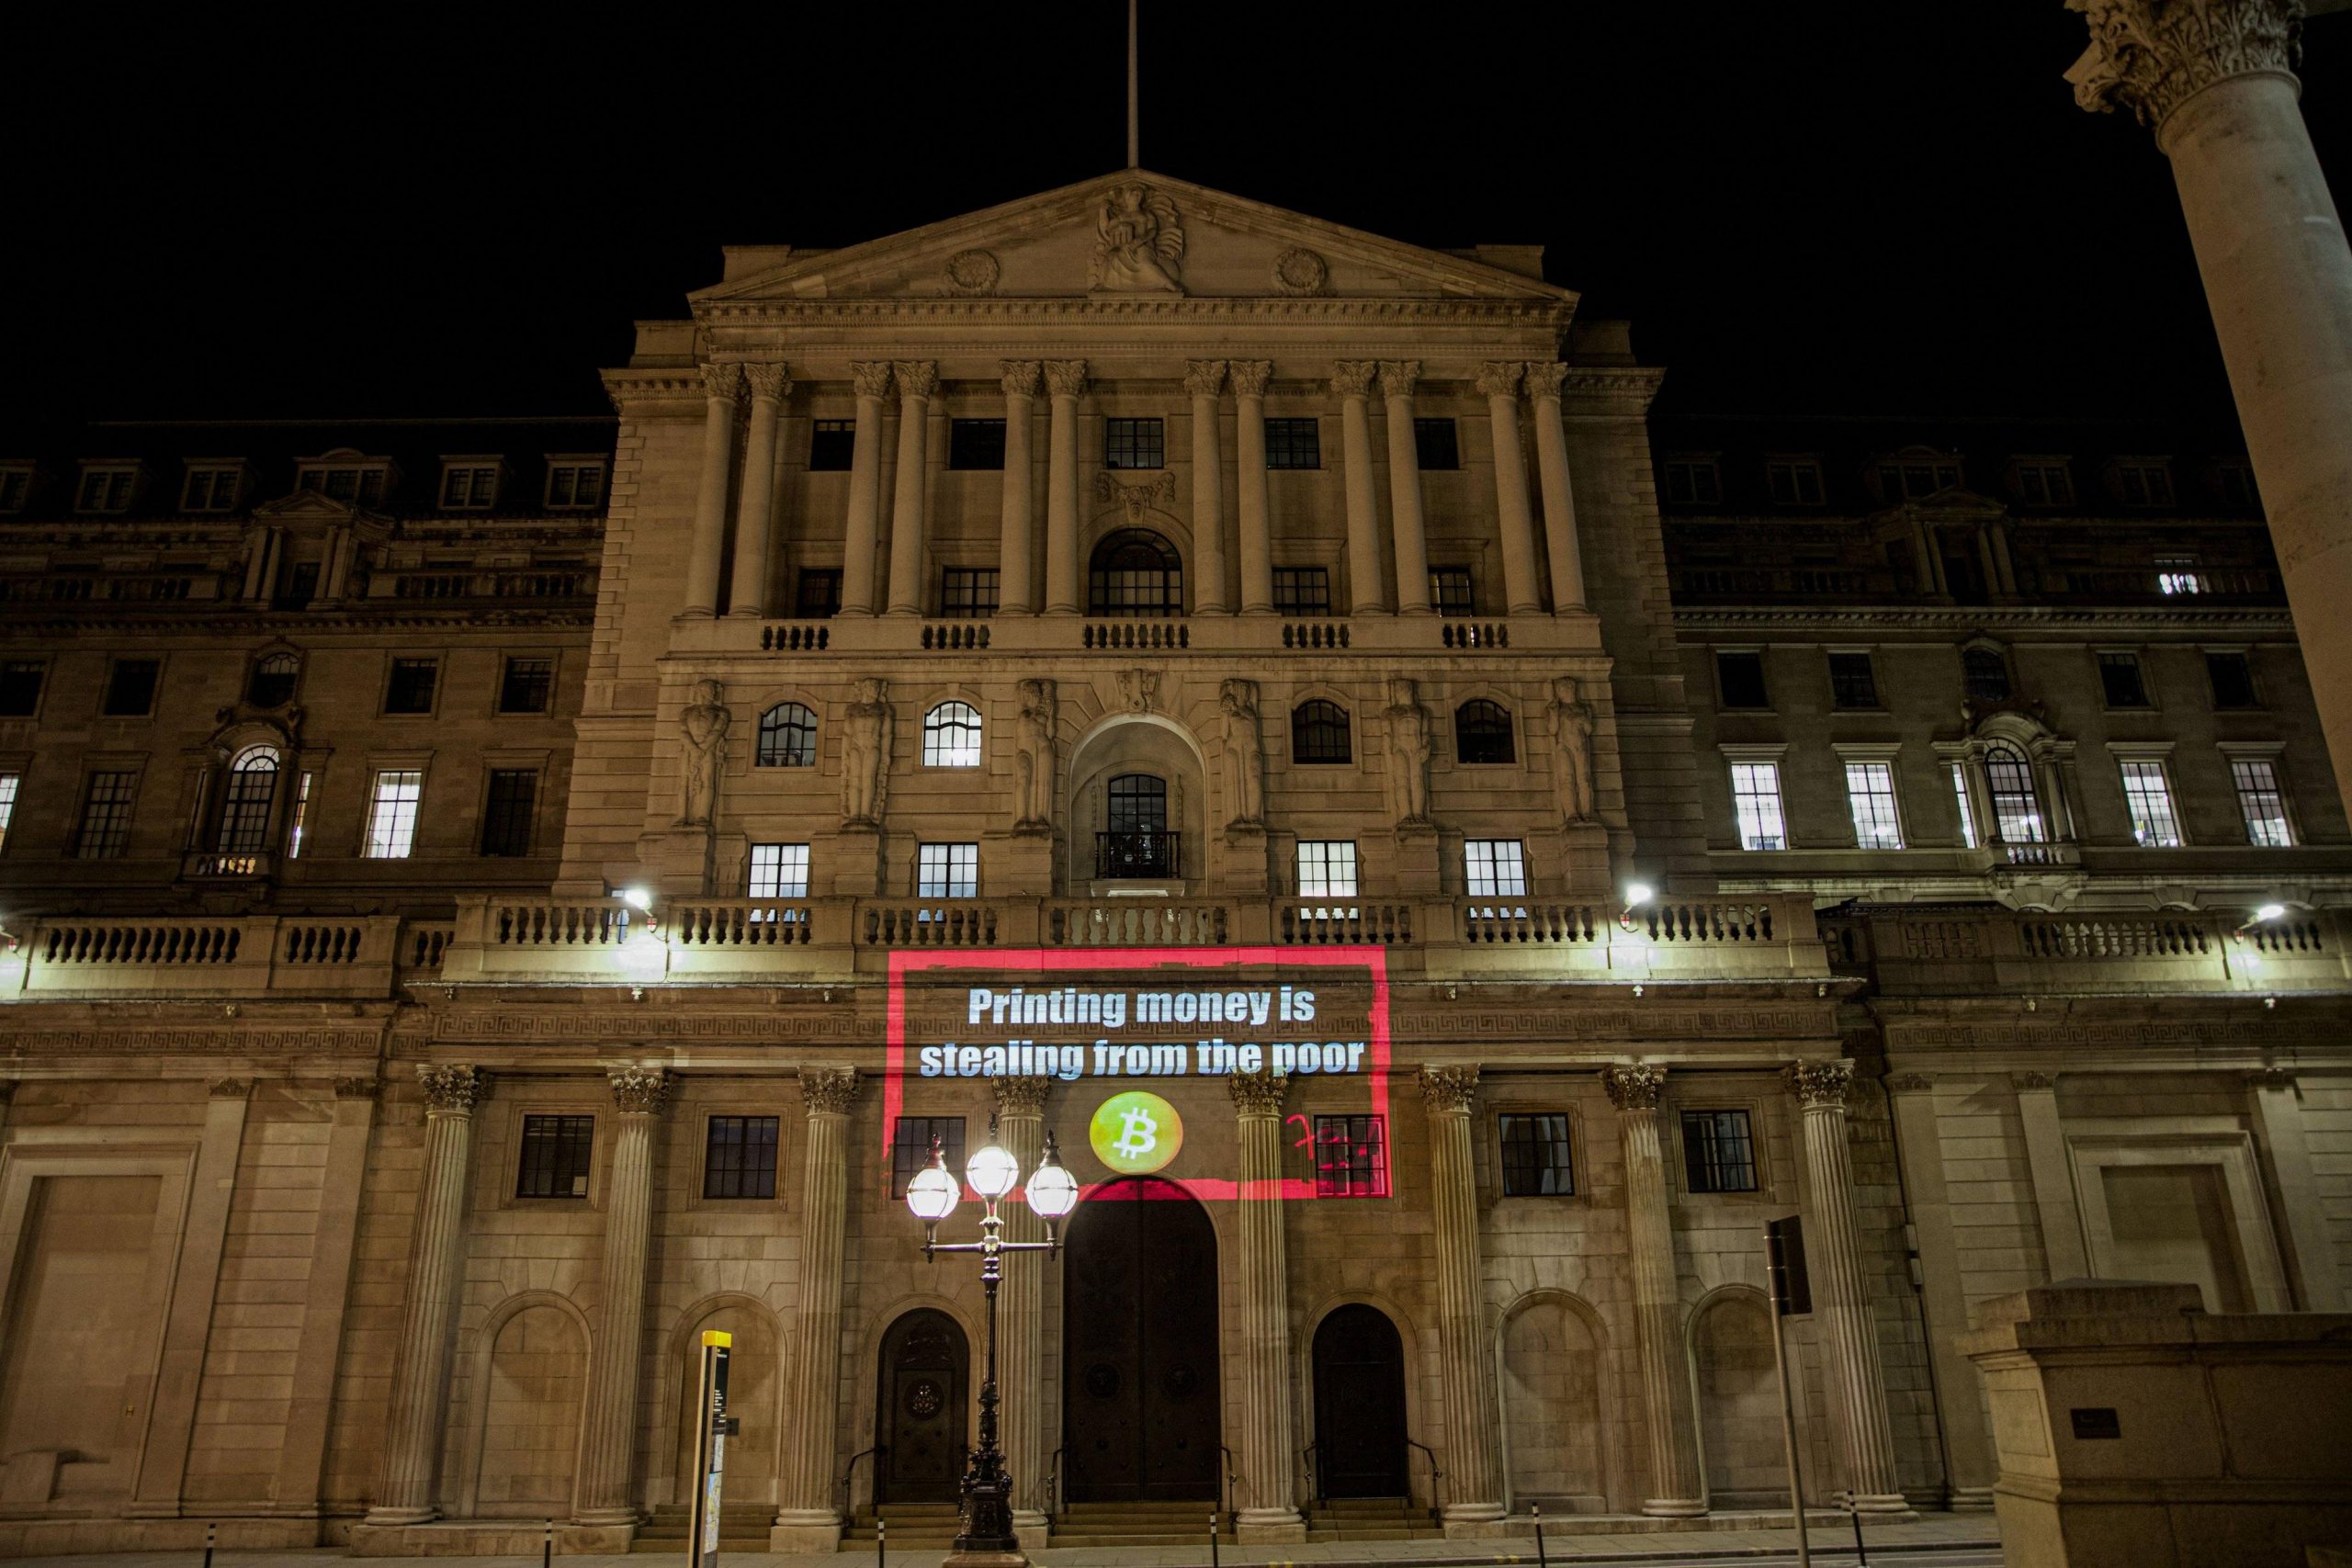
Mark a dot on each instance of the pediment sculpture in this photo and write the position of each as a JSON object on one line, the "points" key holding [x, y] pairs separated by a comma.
{"points": [[1138, 245]]}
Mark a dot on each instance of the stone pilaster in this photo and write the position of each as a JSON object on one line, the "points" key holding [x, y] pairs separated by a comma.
{"points": [[747, 594], [1968, 1450], [723, 388], [1406, 522], [871, 380], [1472, 1462], [1066, 380], [1565, 552], [1351, 383], [1203, 380], [609, 1437], [1016, 593], [807, 1518], [917, 379], [1266, 1506], [2279, 1129], [1677, 1483], [1249, 379], [1021, 1318]]}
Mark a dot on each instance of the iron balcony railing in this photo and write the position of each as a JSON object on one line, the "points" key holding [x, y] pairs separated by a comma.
{"points": [[1139, 855]]}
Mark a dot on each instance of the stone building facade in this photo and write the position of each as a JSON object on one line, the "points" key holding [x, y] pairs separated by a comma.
{"points": [[480, 925]]}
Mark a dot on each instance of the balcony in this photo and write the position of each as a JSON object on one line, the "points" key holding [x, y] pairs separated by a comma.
{"points": [[1210, 636], [1974, 953], [1154, 857]]}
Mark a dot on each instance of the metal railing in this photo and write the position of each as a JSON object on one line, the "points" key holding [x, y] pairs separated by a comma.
{"points": [[851, 1470], [1139, 855]]}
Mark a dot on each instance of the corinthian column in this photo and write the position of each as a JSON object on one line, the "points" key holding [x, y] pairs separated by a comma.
{"points": [[1404, 519], [1249, 379], [722, 387], [2214, 79], [872, 380], [916, 379], [1566, 555], [1854, 1388], [755, 516], [608, 1423], [806, 1519], [1015, 596], [1352, 380], [1498, 380], [1202, 380], [1676, 1485], [421, 1374], [1474, 1473], [1021, 1345], [1270, 1497], [1066, 380]]}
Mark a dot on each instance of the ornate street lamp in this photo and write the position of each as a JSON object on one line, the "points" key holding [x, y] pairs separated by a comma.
{"points": [[987, 1511]]}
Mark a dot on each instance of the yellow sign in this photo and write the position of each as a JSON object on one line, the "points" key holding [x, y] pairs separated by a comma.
{"points": [[1136, 1133]]}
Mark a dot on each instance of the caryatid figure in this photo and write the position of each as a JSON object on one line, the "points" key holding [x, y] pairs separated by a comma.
{"points": [[1408, 754], [866, 755], [703, 724], [1245, 754], [1572, 722], [1033, 763]]}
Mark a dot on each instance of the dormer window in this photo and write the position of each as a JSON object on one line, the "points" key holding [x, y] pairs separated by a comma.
{"points": [[469, 484], [2045, 481], [345, 476], [212, 487], [106, 488], [1916, 479], [575, 484], [1794, 481], [2143, 481], [1693, 481], [15, 487]]}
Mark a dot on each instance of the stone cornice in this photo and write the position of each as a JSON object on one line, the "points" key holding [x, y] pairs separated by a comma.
{"points": [[1973, 616], [1089, 311], [683, 386]]}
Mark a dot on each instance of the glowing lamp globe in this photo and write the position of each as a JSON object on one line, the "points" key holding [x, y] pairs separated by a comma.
{"points": [[2270, 911], [991, 1171], [1053, 1191], [932, 1194]]}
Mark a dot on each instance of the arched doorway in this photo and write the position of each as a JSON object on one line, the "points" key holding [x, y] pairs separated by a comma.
{"points": [[1139, 1314], [751, 1399], [1739, 1404], [919, 1410], [1359, 1404]]}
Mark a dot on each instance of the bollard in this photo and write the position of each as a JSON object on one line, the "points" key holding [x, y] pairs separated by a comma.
{"points": [[1537, 1510], [207, 1544], [1861, 1556], [881, 1535], [547, 1545], [1213, 1558]]}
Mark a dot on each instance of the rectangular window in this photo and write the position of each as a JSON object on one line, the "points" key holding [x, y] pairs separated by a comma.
{"points": [[365, 485], [20, 683], [911, 1146], [1794, 481], [1352, 1157], [2144, 482], [1450, 591], [2179, 574], [976, 444], [2236, 482], [2231, 675], [528, 686], [1869, 791], [1327, 868], [1967, 810], [1494, 868], [967, 592], [738, 1157], [779, 870], [2148, 794], [2045, 481], [506, 814], [1718, 1153], [1535, 1156], [105, 829], [555, 1157], [1853, 683], [1134, 444], [391, 812], [1435, 446], [1293, 443], [1301, 590], [16, 488], [1693, 481], [2261, 802], [947, 870], [410, 689], [2119, 679], [300, 827], [131, 688], [211, 489], [104, 490], [817, 593], [1916, 480], [1756, 795], [469, 487], [1739, 678], [575, 487], [8, 785], [833, 445]]}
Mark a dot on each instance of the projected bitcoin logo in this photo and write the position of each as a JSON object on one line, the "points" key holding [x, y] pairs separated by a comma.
{"points": [[1136, 1134]]}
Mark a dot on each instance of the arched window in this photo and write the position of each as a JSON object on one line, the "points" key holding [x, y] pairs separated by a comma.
{"points": [[787, 738], [244, 809], [1134, 572], [951, 736], [2016, 813], [1482, 733], [1988, 674], [272, 685], [1318, 733]]}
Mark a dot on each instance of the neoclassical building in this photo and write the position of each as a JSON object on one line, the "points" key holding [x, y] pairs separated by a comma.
{"points": [[1445, 862]]}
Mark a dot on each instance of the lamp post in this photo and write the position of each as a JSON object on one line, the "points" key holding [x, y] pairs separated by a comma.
{"points": [[986, 1515]]}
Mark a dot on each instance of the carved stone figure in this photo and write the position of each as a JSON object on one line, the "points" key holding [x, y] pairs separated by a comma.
{"points": [[1138, 245], [1572, 730], [1139, 689], [703, 724], [1408, 754], [1033, 763], [1245, 754], [1157, 492], [866, 755]]}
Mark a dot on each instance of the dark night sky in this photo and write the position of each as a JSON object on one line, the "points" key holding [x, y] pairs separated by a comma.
{"points": [[1820, 207]]}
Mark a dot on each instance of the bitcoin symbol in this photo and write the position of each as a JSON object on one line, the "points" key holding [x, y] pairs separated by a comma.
{"points": [[1136, 1132], [1138, 1135]]}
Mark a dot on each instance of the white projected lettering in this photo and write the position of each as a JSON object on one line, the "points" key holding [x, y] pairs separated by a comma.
{"points": [[1112, 1011]]}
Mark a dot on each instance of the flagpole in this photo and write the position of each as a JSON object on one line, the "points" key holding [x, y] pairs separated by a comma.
{"points": [[1135, 157]]}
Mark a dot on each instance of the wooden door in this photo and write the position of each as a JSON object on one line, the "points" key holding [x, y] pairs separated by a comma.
{"points": [[920, 1418], [1359, 1404]]}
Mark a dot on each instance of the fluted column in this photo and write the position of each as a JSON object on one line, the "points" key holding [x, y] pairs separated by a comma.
{"points": [[1021, 1319], [608, 1422], [916, 379], [421, 1373], [1498, 380], [722, 387], [1351, 380], [1566, 553], [1473, 1468], [1677, 1485], [1249, 379], [1204, 379], [807, 1518], [1266, 1506], [872, 380], [755, 515], [1406, 521], [1066, 380], [1853, 1386], [1015, 594]]}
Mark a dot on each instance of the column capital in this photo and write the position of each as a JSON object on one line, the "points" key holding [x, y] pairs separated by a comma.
{"points": [[1250, 375], [231, 1088], [452, 1089], [1910, 1083], [1021, 1096], [1499, 377], [1818, 1085], [828, 1091], [722, 382], [1448, 1090], [1634, 1085], [1544, 377], [1353, 377], [2023, 1081], [2271, 1078], [639, 1091], [870, 378], [357, 1088], [916, 378], [769, 378], [2151, 56], [1397, 377], [1066, 377], [1259, 1093], [1203, 377], [1021, 376]]}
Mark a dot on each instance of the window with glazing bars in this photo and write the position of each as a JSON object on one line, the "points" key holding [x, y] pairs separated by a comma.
{"points": [[1870, 793], [2261, 802], [976, 444], [1352, 1157], [951, 736], [1967, 807], [1986, 674], [1435, 446], [1134, 572], [391, 812], [1293, 443], [967, 592], [2120, 682], [104, 827], [1450, 592], [1327, 868], [833, 445], [738, 1157], [528, 686], [1535, 1156], [2148, 794], [778, 871], [1134, 444], [1303, 590], [1482, 733], [9, 784], [1494, 868], [911, 1144], [410, 689], [787, 738], [272, 683], [2017, 811], [1718, 1152], [947, 870], [1853, 683], [1756, 798], [555, 1157], [245, 805], [506, 811], [816, 593], [1318, 733], [300, 827]]}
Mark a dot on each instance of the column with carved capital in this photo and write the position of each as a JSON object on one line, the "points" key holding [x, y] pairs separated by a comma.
{"points": [[608, 1422], [1066, 380], [1853, 1385], [1249, 379], [1266, 1508], [1472, 1464], [722, 389], [1564, 553], [1021, 1337], [806, 1519], [421, 1373], [917, 379], [1015, 595], [1203, 380], [1676, 1484], [1498, 380], [1969, 1467], [755, 514], [871, 379], [1406, 521], [1351, 380]]}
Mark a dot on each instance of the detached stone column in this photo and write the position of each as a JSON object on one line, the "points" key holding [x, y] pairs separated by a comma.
{"points": [[1405, 516], [1249, 379], [2278, 1126], [1015, 594], [1021, 1319], [755, 516], [806, 1519], [916, 379], [1204, 378], [1498, 380], [421, 1375], [1066, 380], [1968, 1451], [1854, 1387], [1267, 1508], [1677, 1485], [872, 379], [1472, 1467], [609, 1421], [1352, 381], [1566, 553], [723, 386]]}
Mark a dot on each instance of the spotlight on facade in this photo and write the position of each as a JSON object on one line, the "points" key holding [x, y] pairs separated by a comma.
{"points": [[1638, 894], [637, 898], [2270, 912]]}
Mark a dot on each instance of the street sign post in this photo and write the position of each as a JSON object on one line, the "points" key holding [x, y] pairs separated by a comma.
{"points": [[710, 1449], [1792, 1295]]}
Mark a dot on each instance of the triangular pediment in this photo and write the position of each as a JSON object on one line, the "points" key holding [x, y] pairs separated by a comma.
{"points": [[1132, 235], [310, 506]]}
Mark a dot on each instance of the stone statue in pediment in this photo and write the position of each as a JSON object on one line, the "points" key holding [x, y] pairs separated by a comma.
{"points": [[1138, 245]]}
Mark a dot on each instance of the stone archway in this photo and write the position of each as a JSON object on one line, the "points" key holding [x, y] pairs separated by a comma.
{"points": [[1122, 750], [1359, 1362]]}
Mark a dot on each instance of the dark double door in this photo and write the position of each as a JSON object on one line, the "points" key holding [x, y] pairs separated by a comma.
{"points": [[922, 1400], [1139, 1368], [1359, 1404]]}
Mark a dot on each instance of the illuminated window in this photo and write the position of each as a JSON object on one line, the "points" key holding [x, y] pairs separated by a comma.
{"points": [[245, 805], [1985, 674], [1301, 590], [779, 870], [1352, 1157], [1134, 444], [1494, 868], [1967, 808], [106, 488], [9, 784], [211, 487], [1756, 796], [555, 1157], [976, 444], [574, 485], [967, 592], [947, 870], [1718, 1151], [1853, 683], [1327, 868], [528, 686], [2231, 675], [2143, 481], [1318, 733], [2179, 574], [1794, 481], [1535, 1156], [911, 1145], [1482, 733], [2148, 794], [1293, 443], [20, 684], [1739, 679], [1134, 572], [1693, 481], [1436, 446], [951, 736], [300, 827], [1451, 591], [131, 688], [739, 1157], [104, 829], [391, 812], [2045, 481], [1870, 792], [2119, 681], [787, 738], [832, 446], [469, 487], [2261, 802], [507, 811], [2017, 811], [271, 685], [410, 689]]}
